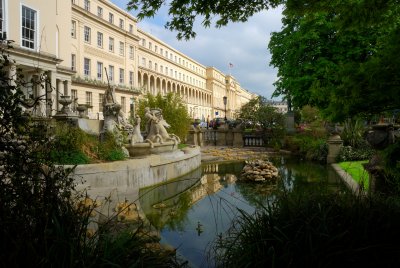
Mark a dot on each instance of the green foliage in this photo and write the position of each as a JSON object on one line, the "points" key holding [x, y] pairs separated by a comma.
{"points": [[314, 230], [42, 220], [257, 112], [336, 55], [109, 149], [309, 114], [174, 112], [349, 153], [357, 172], [391, 156], [69, 143], [353, 133], [73, 146], [307, 146], [342, 68], [38, 223]]}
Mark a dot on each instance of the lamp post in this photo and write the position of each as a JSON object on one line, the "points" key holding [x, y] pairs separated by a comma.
{"points": [[225, 98]]}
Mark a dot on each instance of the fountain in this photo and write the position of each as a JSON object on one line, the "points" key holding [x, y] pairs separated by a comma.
{"points": [[157, 140]]}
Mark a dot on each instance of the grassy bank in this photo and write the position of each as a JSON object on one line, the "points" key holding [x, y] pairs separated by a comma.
{"points": [[357, 172]]}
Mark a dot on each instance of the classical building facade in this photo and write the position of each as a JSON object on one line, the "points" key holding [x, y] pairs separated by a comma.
{"points": [[41, 48], [86, 45]]}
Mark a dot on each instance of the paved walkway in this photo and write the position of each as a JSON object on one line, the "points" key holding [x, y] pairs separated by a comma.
{"points": [[225, 153]]}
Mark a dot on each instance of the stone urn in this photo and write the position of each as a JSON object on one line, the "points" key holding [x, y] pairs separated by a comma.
{"points": [[82, 108], [65, 101]]}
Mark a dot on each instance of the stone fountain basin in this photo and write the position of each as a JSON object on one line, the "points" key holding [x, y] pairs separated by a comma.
{"points": [[141, 149]]}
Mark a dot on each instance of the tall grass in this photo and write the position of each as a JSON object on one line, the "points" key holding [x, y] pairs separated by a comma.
{"points": [[315, 230]]}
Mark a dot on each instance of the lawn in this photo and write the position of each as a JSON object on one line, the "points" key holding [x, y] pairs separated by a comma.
{"points": [[357, 172]]}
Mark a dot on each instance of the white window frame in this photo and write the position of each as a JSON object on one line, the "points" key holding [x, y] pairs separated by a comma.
{"points": [[100, 39], [111, 73], [101, 98], [86, 5], [131, 52], [121, 76], [73, 62], [121, 23], [99, 11], [86, 67], [111, 44], [130, 28], [121, 48], [99, 70], [87, 32], [131, 78], [111, 17], [36, 37], [73, 29], [89, 99]]}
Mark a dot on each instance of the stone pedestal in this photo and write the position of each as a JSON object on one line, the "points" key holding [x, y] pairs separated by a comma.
{"points": [[334, 145], [290, 122], [238, 139]]}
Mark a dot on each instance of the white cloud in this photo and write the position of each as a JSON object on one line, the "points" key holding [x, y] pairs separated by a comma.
{"points": [[245, 45]]}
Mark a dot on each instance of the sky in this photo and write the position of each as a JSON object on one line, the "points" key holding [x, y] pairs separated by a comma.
{"points": [[244, 45]]}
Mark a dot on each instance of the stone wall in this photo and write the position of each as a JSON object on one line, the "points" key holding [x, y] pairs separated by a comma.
{"points": [[124, 178]]}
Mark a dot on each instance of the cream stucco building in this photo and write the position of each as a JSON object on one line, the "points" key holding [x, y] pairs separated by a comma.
{"points": [[84, 45]]}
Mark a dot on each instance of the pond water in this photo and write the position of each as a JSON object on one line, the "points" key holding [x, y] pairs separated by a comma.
{"points": [[193, 211]]}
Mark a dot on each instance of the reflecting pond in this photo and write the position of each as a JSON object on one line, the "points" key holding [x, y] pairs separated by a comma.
{"points": [[192, 211]]}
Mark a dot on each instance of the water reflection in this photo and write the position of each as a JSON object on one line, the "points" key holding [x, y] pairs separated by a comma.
{"points": [[194, 210]]}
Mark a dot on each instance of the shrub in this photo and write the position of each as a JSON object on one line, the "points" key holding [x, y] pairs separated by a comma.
{"points": [[174, 112], [353, 133], [309, 147], [349, 153], [314, 230], [109, 149], [40, 223]]}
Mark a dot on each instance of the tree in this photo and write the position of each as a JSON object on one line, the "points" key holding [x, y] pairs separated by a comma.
{"points": [[343, 69], [340, 56], [259, 112], [173, 109]]}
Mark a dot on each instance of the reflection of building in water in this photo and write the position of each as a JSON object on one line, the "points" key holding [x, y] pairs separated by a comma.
{"points": [[209, 184], [210, 168]]}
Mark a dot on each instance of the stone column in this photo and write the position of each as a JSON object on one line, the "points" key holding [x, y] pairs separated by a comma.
{"points": [[238, 139], [334, 145], [59, 92]]}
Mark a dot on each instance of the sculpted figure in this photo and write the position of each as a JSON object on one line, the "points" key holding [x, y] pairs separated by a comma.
{"points": [[136, 136], [156, 128]]}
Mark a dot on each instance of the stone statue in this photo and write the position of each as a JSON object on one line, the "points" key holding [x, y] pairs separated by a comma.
{"points": [[113, 116], [136, 136], [156, 128]]}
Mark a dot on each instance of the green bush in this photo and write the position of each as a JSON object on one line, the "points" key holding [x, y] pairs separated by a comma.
{"points": [[353, 133], [174, 112], [309, 147], [108, 148], [349, 153], [73, 146]]}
